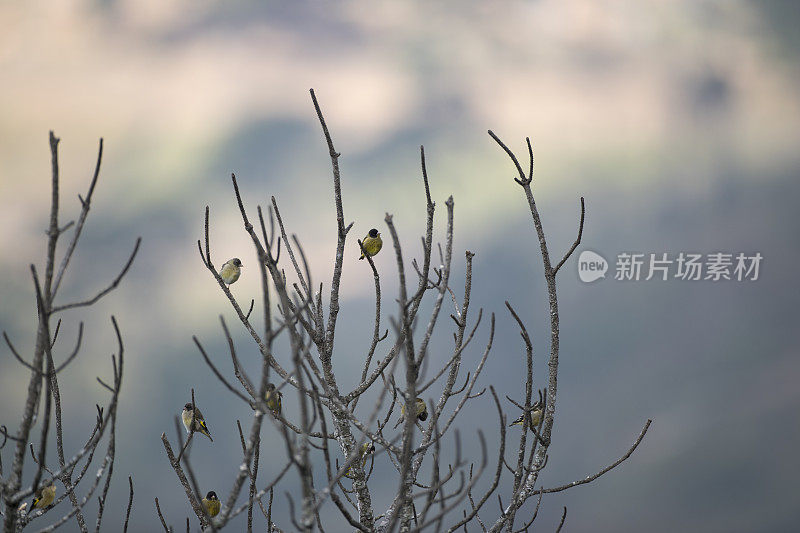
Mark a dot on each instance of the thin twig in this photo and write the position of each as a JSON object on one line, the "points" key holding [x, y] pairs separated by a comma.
{"points": [[130, 504], [574, 244], [108, 289], [161, 517], [563, 517], [613, 465]]}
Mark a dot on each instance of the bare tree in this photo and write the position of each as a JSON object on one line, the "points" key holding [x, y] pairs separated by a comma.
{"points": [[44, 372], [444, 498]]}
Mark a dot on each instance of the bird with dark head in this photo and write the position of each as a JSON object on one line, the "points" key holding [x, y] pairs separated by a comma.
{"points": [[367, 449], [211, 504], [231, 270], [190, 413], [371, 244], [421, 411]]}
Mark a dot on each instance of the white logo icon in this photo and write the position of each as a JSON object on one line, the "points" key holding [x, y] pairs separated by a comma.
{"points": [[591, 266]]}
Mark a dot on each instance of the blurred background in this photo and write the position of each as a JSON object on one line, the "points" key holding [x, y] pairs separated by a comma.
{"points": [[678, 121]]}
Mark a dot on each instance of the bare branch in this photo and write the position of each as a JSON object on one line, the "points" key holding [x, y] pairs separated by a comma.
{"points": [[81, 221], [14, 482], [161, 517], [526, 488], [107, 289], [208, 248], [130, 504], [572, 248], [563, 517], [522, 180], [376, 329], [219, 374], [498, 471], [196, 507], [303, 282], [613, 465]]}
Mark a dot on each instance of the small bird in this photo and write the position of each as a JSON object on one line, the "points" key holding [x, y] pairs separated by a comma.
{"points": [[273, 399], [535, 417], [199, 422], [44, 496], [421, 409], [366, 449], [211, 504], [371, 244], [231, 270]]}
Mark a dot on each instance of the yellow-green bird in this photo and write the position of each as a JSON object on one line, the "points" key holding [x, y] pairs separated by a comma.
{"points": [[211, 504], [421, 410], [371, 244], [366, 449], [273, 399], [231, 270], [199, 422], [44, 496], [535, 418]]}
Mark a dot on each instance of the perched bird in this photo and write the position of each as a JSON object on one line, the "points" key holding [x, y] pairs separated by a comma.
{"points": [[366, 449], [273, 399], [44, 496], [231, 270], [535, 417], [421, 409], [199, 422], [211, 504], [371, 244]]}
